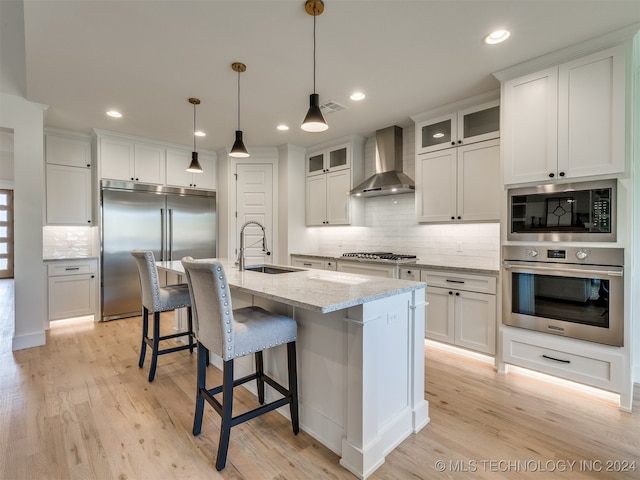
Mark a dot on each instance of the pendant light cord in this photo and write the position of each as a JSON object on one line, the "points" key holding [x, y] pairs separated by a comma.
{"points": [[238, 99], [194, 127], [314, 48]]}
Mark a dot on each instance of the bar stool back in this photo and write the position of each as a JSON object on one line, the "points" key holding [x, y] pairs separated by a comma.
{"points": [[231, 334], [157, 299]]}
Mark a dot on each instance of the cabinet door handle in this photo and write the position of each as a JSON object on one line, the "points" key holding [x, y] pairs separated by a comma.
{"points": [[455, 281], [551, 175], [72, 268], [556, 359], [306, 264], [562, 174]]}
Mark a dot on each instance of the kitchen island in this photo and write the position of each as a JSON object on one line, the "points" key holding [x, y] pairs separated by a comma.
{"points": [[360, 355]]}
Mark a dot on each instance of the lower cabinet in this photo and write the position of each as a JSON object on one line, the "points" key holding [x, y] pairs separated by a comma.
{"points": [[72, 288], [461, 310], [313, 262], [376, 270]]}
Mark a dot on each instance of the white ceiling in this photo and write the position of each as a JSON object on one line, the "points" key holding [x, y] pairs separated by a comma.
{"points": [[146, 58]]}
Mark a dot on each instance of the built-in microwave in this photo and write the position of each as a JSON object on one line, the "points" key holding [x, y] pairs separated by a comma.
{"points": [[584, 212]]}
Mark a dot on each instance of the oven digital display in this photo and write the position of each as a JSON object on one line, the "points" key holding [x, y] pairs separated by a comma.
{"points": [[556, 254]]}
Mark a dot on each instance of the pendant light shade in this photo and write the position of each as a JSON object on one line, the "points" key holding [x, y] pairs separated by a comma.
{"points": [[238, 150], [314, 121], [194, 166]]}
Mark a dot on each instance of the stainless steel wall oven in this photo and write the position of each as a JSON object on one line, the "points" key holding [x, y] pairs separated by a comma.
{"points": [[570, 291], [569, 212]]}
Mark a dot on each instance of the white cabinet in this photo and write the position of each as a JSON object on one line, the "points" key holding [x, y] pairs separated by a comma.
{"points": [[68, 180], [566, 121], [124, 159], [410, 273], [459, 184], [331, 172], [313, 262], [73, 288], [473, 124], [330, 159], [597, 365], [361, 268], [177, 175], [68, 195], [461, 309]]}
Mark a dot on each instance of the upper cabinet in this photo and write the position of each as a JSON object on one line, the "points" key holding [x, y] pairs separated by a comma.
{"points": [[125, 159], [459, 184], [122, 157], [469, 125], [331, 172], [177, 175], [330, 159], [68, 179], [567, 121]]}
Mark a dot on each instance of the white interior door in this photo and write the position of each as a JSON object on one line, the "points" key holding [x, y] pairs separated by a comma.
{"points": [[254, 201]]}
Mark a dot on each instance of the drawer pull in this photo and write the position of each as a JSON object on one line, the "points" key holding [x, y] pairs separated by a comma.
{"points": [[556, 359], [455, 281], [72, 268], [306, 264]]}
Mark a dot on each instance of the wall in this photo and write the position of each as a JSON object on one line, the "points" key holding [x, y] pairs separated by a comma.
{"points": [[391, 226], [26, 120], [635, 229]]}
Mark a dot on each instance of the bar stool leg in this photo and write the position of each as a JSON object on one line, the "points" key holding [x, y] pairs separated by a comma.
{"points": [[156, 345], [145, 334], [190, 326], [227, 414], [259, 378], [201, 385], [293, 386]]}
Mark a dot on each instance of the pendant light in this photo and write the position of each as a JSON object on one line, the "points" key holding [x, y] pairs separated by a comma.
{"points": [[314, 121], [194, 166], [238, 149]]}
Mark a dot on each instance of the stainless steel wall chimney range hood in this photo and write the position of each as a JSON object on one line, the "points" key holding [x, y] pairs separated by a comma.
{"points": [[389, 178]]}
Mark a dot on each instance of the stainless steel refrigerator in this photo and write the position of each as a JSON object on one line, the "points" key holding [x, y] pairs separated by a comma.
{"points": [[172, 222]]}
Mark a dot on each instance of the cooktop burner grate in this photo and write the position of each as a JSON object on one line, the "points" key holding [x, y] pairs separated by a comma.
{"points": [[379, 255]]}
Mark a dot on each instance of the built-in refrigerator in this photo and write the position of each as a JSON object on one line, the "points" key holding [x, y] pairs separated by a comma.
{"points": [[172, 222]]}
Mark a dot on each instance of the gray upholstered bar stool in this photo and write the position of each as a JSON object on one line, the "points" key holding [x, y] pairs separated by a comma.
{"points": [[157, 299], [232, 334]]}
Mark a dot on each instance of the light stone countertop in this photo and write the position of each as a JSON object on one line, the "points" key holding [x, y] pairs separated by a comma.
{"points": [[316, 290], [413, 263]]}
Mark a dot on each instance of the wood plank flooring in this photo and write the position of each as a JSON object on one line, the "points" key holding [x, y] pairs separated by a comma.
{"points": [[80, 408]]}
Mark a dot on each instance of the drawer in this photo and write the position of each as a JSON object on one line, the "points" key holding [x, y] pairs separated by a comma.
{"points": [[595, 365], [308, 263], [460, 281], [56, 269], [410, 274]]}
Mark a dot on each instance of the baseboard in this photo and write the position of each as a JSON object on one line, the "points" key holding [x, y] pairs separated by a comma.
{"points": [[27, 341]]}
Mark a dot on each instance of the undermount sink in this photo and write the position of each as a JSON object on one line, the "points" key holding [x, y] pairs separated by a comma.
{"points": [[271, 269]]}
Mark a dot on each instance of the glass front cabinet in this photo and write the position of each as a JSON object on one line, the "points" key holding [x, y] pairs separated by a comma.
{"points": [[474, 124], [328, 160]]}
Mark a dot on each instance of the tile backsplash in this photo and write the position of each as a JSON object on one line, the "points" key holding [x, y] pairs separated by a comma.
{"points": [[390, 225], [68, 242]]}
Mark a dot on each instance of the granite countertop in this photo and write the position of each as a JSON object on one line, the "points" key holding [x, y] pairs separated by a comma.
{"points": [[66, 259], [403, 263], [317, 290]]}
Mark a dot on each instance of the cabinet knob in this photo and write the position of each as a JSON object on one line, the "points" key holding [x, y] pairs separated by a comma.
{"points": [[562, 174], [450, 293], [453, 143], [459, 141], [453, 218], [457, 294], [89, 165], [551, 175], [88, 221], [459, 217], [131, 178]]}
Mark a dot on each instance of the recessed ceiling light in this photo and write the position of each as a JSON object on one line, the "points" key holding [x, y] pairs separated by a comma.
{"points": [[357, 96], [282, 127], [497, 36], [200, 133], [114, 114]]}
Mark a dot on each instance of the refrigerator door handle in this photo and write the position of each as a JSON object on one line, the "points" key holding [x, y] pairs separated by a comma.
{"points": [[171, 234], [162, 239]]}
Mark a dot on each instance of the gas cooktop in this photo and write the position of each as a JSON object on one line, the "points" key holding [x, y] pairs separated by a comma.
{"points": [[379, 256]]}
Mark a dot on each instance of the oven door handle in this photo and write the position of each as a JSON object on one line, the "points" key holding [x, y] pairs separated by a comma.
{"points": [[610, 273]]}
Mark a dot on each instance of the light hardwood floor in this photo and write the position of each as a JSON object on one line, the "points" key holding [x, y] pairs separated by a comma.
{"points": [[80, 408]]}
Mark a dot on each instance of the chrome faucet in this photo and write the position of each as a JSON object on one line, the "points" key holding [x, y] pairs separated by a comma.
{"points": [[240, 260]]}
